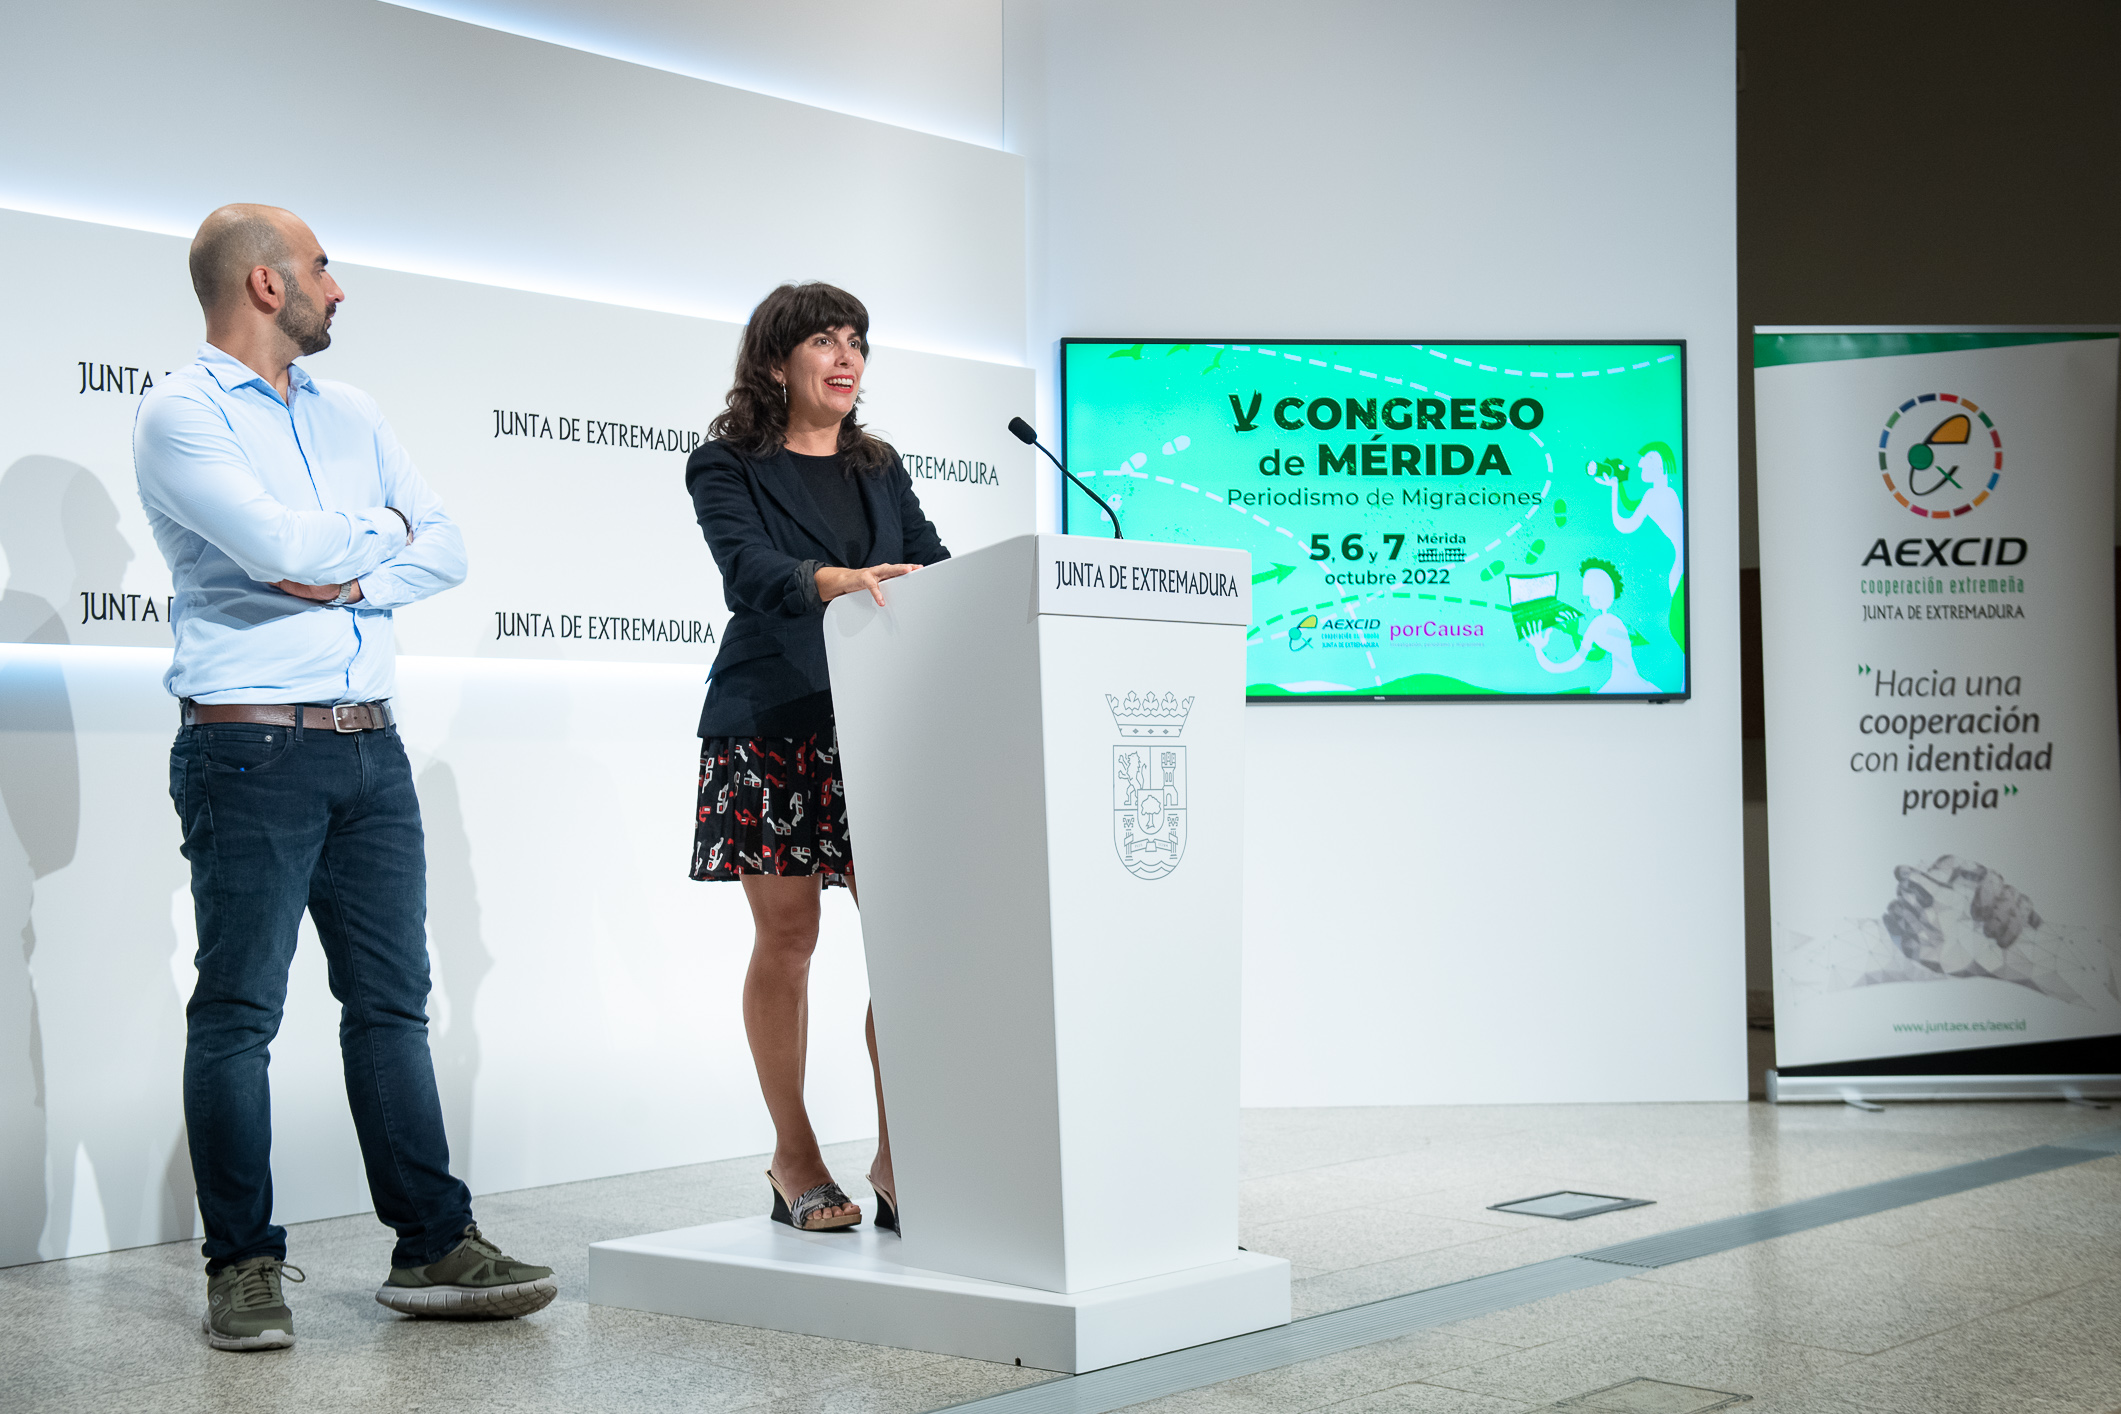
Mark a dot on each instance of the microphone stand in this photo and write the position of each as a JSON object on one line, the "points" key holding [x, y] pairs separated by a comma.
{"points": [[1015, 423], [1116, 535]]}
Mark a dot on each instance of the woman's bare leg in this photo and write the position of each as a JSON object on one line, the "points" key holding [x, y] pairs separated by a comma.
{"points": [[880, 1175], [784, 917], [879, 1172]]}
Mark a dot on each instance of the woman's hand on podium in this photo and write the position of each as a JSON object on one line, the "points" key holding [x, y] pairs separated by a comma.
{"points": [[832, 581]]}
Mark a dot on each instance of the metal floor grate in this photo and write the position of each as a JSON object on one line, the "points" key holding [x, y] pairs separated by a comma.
{"points": [[1641, 1396], [2103, 1141], [1568, 1204], [1748, 1228]]}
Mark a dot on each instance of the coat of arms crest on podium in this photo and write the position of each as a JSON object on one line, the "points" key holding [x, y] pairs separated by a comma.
{"points": [[1149, 782]]}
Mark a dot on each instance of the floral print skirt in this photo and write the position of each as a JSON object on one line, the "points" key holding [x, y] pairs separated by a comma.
{"points": [[771, 805]]}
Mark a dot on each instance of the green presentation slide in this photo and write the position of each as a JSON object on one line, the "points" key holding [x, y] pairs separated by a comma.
{"points": [[1424, 520]]}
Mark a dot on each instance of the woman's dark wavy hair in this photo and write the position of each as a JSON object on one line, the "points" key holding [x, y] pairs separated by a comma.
{"points": [[756, 418]]}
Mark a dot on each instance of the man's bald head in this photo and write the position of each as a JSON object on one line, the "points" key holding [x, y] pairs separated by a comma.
{"points": [[231, 243]]}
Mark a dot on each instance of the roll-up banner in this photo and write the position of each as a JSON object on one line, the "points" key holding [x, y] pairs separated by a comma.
{"points": [[1944, 783]]}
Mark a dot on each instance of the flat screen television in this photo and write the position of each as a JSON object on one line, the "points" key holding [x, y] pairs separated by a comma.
{"points": [[1426, 521]]}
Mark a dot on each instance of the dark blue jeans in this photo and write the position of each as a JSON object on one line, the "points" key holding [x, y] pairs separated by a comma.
{"points": [[276, 820]]}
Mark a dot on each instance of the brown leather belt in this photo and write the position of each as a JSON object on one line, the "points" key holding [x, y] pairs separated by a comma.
{"points": [[346, 717]]}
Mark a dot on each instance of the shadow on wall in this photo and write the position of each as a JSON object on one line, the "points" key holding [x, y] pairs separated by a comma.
{"points": [[459, 950], [90, 1156], [40, 789], [59, 529], [537, 927]]}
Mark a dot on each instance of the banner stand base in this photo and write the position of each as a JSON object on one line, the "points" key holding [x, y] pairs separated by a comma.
{"points": [[1865, 1091]]}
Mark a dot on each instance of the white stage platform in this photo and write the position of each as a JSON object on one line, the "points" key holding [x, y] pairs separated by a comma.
{"points": [[850, 1286]]}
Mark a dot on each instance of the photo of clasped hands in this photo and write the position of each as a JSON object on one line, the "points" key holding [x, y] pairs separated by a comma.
{"points": [[347, 593]]}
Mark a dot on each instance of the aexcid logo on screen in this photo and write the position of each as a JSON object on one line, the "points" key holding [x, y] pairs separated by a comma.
{"points": [[1934, 458]]}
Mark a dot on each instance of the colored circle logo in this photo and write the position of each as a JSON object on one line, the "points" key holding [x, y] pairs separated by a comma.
{"points": [[1940, 455]]}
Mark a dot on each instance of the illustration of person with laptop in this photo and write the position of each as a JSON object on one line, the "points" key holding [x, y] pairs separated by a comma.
{"points": [[1602, 585]]}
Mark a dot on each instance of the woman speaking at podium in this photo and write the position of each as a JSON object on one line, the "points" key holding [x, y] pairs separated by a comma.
{"points": [[799, 506]]}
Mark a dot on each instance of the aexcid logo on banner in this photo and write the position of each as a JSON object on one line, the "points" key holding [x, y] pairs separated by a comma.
{"points": [[1947, 880], [1934, 458]]}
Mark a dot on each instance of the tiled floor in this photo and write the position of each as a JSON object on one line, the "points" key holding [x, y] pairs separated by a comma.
{"points": [[2000, 1300], [2003, 1299]]}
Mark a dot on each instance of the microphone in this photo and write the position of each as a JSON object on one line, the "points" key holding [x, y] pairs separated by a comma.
{"points": [[1024, 432]]}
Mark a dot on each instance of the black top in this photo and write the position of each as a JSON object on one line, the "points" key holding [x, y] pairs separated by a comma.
{"points": [[769, 535], [840, 502]]}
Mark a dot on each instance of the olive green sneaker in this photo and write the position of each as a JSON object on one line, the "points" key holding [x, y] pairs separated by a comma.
{"points": [[472, 1281], [244, 1308]]}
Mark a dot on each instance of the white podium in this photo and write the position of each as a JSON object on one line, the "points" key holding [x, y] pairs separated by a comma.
{"points": [[1043, 748]]}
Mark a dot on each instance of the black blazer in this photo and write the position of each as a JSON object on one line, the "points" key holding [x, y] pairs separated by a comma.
{"points": [[768, 539]]}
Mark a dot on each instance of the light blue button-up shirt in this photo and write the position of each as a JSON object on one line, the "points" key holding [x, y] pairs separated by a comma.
{"points": [[243, 489]]}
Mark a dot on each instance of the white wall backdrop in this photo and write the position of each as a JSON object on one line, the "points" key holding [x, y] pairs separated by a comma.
{"points": [[429, 145], [516, 405], [585, 1013], [1446, 903], [931, 65]]}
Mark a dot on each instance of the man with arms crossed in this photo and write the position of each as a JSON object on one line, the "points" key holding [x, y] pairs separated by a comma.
{"points": [[293, 524]]}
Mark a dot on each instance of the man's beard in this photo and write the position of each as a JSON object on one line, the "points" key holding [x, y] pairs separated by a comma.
{"points": [[303, 322]]}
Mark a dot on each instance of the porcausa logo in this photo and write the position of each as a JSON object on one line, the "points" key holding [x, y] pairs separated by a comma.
{"points": [[1933, 458]]}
